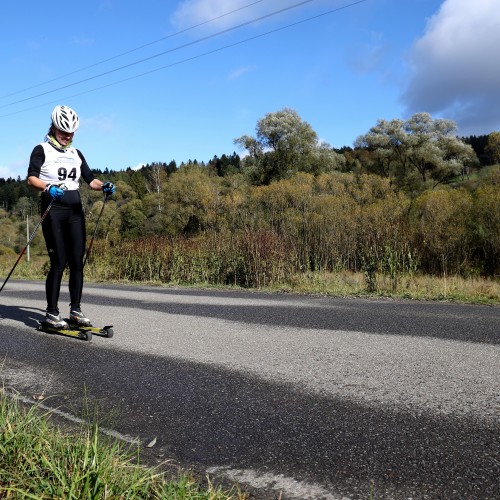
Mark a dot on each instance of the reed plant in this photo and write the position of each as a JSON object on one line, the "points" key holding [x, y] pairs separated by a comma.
{"points": [[263, 260]]}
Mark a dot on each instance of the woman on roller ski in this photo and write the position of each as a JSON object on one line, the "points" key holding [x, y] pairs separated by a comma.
{"points": [[55, 169]]}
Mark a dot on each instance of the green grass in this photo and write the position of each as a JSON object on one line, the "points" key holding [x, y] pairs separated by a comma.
{"points": [[41, 461]]}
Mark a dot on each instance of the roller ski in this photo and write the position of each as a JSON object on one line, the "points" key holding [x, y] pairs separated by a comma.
{"points": [[77, 326], [79, 320]]}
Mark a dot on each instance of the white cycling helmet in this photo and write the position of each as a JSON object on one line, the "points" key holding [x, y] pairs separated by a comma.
{"points": [[65, 119]]}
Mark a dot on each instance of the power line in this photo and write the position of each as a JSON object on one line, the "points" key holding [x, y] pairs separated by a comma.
{"points": [[331, 11], [132, 50], [194, 42]]}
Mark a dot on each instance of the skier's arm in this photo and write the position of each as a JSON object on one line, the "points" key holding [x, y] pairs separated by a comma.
{"points": [[37, 159], [88, 177], [36, 183], [86, 173]]}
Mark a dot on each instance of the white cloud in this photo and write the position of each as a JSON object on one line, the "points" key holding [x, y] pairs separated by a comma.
{"points": [[455, 70]]}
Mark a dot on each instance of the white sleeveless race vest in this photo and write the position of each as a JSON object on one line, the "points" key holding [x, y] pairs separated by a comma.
{"points": [[61, 166]]}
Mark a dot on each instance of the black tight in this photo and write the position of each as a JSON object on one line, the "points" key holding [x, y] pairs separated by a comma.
{"points": [[64, 232]]}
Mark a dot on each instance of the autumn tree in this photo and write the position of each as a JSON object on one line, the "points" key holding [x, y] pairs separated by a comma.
{"points": [[285, 144], [486, 226], [493, 147], [132, 219], [192, 200], [417, 151], [440, 224]]}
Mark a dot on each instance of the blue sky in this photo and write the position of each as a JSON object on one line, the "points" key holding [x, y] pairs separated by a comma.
{"points": [[178, 80]]}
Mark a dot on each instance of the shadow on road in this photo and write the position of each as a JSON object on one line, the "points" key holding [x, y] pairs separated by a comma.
{"points": [[203, 415], [461, 322]]}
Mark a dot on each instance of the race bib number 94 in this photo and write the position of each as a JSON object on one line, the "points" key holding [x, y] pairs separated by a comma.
{"points": [[63, 174]]}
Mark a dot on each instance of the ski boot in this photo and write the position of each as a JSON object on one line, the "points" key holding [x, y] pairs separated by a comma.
{"points": [[81, 323], [55, 321], [76, 317]]}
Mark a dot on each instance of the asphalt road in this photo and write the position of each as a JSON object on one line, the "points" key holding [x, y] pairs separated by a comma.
{"points": [[303, 397]]}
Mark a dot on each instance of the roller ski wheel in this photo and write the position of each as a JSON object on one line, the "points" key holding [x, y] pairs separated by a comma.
{"points": [[108, 332], [85, 336], [105, 331]]}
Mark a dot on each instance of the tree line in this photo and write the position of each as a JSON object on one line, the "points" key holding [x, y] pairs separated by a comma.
{"points": [[409, 197]]}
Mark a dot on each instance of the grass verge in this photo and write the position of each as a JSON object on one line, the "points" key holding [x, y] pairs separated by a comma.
{"points": [[471, 290], [40, 461], [474, 290]]}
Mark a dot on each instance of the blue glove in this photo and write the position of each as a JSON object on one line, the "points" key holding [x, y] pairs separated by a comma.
{"points": [[54, 191], [108, 188]]}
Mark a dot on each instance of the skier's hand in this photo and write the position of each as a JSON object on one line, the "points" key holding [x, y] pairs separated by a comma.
{"points": [[54, 191], [108, 188]]}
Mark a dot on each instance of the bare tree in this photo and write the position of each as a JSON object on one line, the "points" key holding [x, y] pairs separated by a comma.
{"points": [[155, 176]]}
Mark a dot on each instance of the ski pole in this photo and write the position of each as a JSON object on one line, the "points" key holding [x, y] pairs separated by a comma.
{"points": [[29, 241], [95, 230]]}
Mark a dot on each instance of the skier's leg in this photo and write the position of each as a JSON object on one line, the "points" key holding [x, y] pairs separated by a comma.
{"points": [[76, 242], [54, 240]]}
